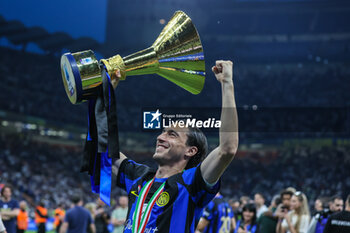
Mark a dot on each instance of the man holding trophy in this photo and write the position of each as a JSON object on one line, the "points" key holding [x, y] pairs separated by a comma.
{"points": [[169, 198]]}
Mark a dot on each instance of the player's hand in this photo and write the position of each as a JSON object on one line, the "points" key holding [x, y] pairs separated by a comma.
{"points": [[223, 71], [115, 80], [5, 217], [279, 212]]}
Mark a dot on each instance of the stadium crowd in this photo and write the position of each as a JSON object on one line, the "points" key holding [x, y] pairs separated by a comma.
{"points": [[34, 90]]}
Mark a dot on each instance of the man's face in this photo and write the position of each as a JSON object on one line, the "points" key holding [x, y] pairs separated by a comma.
{"points": [[235, 205], [286, 200], [318, 205], [259, 200], [7, 193], [171, 146], [123, 201], [23, 205], [337, 205]]}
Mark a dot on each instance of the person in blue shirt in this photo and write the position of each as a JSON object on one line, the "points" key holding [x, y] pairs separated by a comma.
{"points": [[248, 223], [217, 217], [9, 209], [77, 219], [169, 198]]}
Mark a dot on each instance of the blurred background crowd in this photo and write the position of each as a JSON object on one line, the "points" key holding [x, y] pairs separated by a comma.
{"points": [[292, 88]]}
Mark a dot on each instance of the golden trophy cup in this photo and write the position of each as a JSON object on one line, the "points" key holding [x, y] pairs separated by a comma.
{"points": [[177, 55]]}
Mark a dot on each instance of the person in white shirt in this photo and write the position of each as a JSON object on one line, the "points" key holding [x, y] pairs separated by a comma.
{"points": [[2, 227], [259, 201], [296, 220]]}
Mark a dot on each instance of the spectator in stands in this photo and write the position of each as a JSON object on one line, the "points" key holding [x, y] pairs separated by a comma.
{"points": [[22, 217], [267, 221], [9, 209], [336, 204], [242, 202], [339, 222], [91, 207], [234, 203], [77, 219], [284, 207], [259, 201], [318, 223], [319, 219], [296, 220], [248, 222], [2, 227], [319, 204], [101, 217], [119, 214]]}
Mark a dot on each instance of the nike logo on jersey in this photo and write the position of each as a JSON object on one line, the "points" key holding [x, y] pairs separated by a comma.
{"points": [[134, 193]]}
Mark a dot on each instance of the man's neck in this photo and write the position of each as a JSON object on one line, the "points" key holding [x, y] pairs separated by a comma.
{"points": [[166, 171], [4, 199]]}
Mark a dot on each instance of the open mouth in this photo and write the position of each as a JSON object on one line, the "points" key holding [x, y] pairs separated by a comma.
{"points": [[161, 146]]}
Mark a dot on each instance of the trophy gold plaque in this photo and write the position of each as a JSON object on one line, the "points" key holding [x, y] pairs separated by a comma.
{"points": [[177, 55]]}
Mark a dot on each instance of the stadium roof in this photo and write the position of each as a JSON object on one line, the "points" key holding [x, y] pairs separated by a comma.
{"points": [[18, 34]]}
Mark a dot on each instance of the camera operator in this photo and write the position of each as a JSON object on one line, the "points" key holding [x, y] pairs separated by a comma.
{"points": [[319, 221]]}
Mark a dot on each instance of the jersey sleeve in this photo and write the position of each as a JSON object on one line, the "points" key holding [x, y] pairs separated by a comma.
{"points": [[208, 211], [129, 172], [199, 190]]}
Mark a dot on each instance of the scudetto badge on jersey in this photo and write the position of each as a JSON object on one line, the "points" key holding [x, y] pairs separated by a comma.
{"points": [[163, 199]]}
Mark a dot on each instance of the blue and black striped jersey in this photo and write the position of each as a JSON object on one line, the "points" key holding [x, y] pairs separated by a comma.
{"points": [[219, 214], [184, 196]]}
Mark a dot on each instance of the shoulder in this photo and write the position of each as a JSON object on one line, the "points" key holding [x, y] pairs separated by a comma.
{"points": [[85, 210], [189, 174], [71, 211], [133, 167], [337, 215]]}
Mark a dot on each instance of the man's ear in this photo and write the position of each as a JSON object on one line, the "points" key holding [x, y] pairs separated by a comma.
{"points": [[191, 151]]}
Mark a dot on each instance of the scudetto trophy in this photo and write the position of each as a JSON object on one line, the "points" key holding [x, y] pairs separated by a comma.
{"points": [[177, 55]]}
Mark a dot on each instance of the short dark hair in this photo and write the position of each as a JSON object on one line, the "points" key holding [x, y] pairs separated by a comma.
{"points": [[261, 195], [286, 192], [76, 198], [325, 201], [3, 189], [335, 197], [195, 137]]}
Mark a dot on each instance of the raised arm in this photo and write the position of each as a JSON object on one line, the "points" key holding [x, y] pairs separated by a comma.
{"points": [[217, 161], [116, 165]]}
